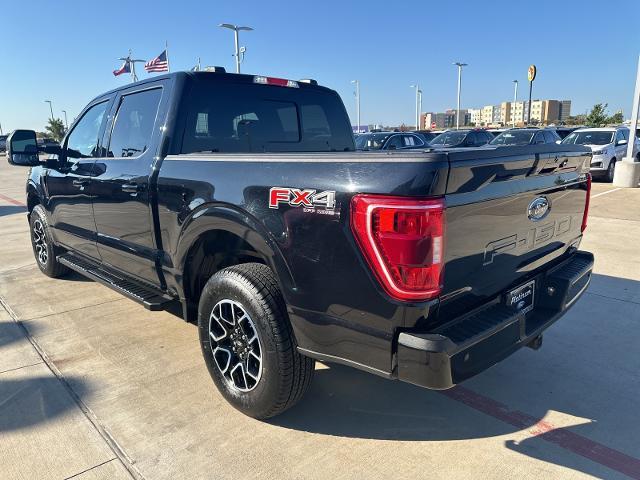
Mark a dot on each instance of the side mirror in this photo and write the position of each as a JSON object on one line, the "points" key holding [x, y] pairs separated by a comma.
{"points": [[392, 147], [22, 148], [621, 142]]}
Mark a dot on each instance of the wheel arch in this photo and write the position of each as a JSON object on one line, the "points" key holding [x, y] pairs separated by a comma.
{"points": [[217, 237]]}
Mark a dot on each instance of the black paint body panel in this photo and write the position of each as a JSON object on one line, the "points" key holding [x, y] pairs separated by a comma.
{"points": [[337, 308]]}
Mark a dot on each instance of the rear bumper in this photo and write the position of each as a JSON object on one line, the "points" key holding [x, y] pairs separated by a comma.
{"points": [[468, 345]]}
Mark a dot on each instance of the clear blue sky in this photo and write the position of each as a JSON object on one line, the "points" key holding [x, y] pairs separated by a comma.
{"points": [[585, 51]]}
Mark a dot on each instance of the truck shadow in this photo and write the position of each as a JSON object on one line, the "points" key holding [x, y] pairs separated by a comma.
{"points": [[29, 402], [560, 378], [11, 210]]}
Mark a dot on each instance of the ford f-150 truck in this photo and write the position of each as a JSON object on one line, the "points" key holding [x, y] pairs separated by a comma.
{"points": [[241, 200]]}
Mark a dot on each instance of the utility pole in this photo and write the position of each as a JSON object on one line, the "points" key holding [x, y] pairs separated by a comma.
{"points": [[515, 100], [66, 124], [357, 84], [460, 65], [238, 49], [51, 107], [417, 87]]}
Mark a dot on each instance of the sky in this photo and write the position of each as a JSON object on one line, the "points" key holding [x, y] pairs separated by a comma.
{"points": [[585, 51]]}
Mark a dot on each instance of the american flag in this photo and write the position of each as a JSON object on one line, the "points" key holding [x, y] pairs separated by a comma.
{"points": [[158, 64]]}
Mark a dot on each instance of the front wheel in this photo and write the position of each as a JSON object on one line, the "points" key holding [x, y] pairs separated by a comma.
{"points": [[44, 249], [247, 342], [611, 170]]}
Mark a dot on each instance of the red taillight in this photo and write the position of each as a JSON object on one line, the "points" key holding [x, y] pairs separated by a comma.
{"points": [[403, 241], [586, 204]]}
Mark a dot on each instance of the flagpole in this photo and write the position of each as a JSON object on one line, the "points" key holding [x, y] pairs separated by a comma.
{"points": [[166, 49], [134, 78]]}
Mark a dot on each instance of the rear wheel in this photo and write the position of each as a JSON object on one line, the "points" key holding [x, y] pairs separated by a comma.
{"points": [[248, 344], [44, 249], [611, 170]]}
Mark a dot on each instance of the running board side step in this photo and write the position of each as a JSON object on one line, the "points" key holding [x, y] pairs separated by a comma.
{"points": [[149, 297]]}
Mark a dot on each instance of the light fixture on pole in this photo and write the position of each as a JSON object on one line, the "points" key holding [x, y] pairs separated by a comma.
{"points": [[418, 92], [460, 65], [515, 100], [240, 51], [66, 124], [357, 84], [50, 107]]}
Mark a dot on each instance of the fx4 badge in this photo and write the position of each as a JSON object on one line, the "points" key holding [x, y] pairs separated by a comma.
{"points": [[307, 198]]}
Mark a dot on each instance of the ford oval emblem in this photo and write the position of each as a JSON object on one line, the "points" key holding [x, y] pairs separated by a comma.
{"points": [[538, 209]]}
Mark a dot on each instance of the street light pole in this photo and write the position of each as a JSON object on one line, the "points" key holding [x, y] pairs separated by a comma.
{"points": [[460, 65], [627, 172], [357, 84], [50, 107], [419, 108], [417, 87], [236, 36], [515, 100], [66, 124]]}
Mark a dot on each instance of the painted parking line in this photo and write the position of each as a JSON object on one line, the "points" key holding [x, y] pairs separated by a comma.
{"points": [[604, 193], [13, 201], [594, 451]]}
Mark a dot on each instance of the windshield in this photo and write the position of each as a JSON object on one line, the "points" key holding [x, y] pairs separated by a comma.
{"points": [[593, 137], [372, 141], [513, 137], [449, 139]]}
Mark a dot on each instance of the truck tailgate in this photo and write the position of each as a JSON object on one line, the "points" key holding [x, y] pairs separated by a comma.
{"points": [[509, 212]]}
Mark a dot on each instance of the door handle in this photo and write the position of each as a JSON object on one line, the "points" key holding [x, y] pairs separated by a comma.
{"points": [[80, 183], [132, 187]]}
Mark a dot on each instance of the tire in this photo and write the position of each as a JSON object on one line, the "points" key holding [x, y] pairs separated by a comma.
{"points": [[44, 250], [247, 342], [611, 170]]}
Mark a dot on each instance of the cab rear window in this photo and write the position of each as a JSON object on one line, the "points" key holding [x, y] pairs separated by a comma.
{"points": [[244, 118]]}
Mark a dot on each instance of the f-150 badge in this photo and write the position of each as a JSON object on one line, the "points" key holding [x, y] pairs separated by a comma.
{"points": [[307, 198]]}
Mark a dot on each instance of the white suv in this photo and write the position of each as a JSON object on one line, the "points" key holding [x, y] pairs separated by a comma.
{"points": [[609, 145]]}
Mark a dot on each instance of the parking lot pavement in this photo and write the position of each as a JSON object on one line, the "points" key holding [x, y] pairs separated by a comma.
{"points": [[134, 384]]}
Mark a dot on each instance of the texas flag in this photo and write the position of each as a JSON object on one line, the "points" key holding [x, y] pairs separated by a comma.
{"points": [[125, 68]]}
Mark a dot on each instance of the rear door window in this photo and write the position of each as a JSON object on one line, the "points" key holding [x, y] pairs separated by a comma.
{"points": [[133, 127], [395, 142]]}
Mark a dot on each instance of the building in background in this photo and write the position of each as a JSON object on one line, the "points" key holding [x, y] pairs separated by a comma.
{"points": [[475, 116], [440, 120], [565, 110]]}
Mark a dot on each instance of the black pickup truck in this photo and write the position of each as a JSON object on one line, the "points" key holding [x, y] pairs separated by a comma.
{"points": [[241, 200]]}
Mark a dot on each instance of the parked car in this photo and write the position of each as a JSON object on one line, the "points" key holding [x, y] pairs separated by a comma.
{"points": [[496, 131], [390, 141], [251, 211], [562, 131], [525, 136], [427, 135], [461, 139], [608, 144], [47, 142], [3, 142]]}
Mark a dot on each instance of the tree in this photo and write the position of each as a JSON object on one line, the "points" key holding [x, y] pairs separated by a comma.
{"points": [[597, 116], [616, 118], [55, 129]]}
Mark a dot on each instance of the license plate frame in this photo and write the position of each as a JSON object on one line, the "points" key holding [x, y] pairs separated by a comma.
{"points": [[522, 298]]}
